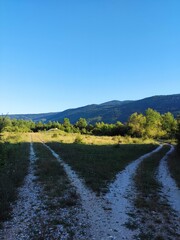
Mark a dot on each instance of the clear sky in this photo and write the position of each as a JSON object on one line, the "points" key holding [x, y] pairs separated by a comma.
{"points": [[60, 54]]}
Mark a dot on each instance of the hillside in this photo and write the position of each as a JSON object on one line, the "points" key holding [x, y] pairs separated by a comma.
{"points": [[112, 111]]}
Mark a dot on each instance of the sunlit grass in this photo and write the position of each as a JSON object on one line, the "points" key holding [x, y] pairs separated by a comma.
{"points": [[15, 137], [63, 137]]}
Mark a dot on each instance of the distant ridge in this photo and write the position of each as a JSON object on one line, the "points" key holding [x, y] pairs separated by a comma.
{"points": [[112, 111]]}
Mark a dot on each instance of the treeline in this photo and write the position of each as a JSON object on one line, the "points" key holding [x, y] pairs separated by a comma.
{"points": [[152, 124]]}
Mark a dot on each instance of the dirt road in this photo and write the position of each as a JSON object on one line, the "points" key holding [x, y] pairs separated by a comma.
{"points": [[104, 217]]}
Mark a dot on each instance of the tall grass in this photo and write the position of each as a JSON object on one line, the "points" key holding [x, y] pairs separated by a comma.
{"points": [[98, 164]]}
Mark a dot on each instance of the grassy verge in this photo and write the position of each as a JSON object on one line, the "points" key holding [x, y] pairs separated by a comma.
{"points": [[174, 166], [14, 158], [98, 164]]}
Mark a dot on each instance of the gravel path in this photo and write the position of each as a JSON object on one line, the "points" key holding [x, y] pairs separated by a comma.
{"points": [[106, 215], [169, 189], [119, 196], [26, 208], [156, 219], [94, 215], [30, 217]]}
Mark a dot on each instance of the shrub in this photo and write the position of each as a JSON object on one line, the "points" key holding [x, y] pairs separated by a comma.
{"points": [[78, 140]]}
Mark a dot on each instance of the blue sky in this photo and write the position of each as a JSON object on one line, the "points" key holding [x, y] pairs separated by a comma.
{"points": [[59, 54]]}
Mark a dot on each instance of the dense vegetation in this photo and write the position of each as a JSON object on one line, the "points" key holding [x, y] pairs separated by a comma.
{"points": [[150, 125]]}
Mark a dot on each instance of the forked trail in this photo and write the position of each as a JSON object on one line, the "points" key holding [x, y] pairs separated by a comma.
{"points": [[106, 215]]}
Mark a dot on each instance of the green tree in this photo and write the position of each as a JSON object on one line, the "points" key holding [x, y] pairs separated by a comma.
{"points": [[4, 123], [154, 124], [119, 129], [169, 124], [67, 125], [81, 123], [39, 126], [136, 124]]}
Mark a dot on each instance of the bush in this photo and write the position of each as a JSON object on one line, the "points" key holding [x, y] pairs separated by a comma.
{"points": [[55, 135], [78, 140]]}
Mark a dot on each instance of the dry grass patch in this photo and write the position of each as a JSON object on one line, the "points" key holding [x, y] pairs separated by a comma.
{"points": [[63, 137]]}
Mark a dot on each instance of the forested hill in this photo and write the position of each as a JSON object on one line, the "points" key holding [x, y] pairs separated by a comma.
{"points": [[111, 112]]}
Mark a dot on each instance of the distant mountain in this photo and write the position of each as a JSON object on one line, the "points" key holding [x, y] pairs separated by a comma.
{"points": [[112, 111]]}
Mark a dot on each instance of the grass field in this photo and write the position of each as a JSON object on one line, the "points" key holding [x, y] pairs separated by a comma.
{"points": [[63, 137], [99, 164]]}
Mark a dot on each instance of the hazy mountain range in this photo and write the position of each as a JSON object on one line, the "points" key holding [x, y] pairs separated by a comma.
{"points": [[110, 112]]}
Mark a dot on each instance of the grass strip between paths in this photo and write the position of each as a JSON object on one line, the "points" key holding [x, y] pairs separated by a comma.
{"points": [[99, 164], [59, 196], [146, 182], [53, 177]]}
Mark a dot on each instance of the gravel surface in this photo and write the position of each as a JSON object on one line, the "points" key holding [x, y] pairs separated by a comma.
{"points": [[170, 189], [31, 217], [27, 209], [120, 197]]}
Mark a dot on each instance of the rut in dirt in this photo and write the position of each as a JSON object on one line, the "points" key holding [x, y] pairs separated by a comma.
{"points": [[106, 215]]}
